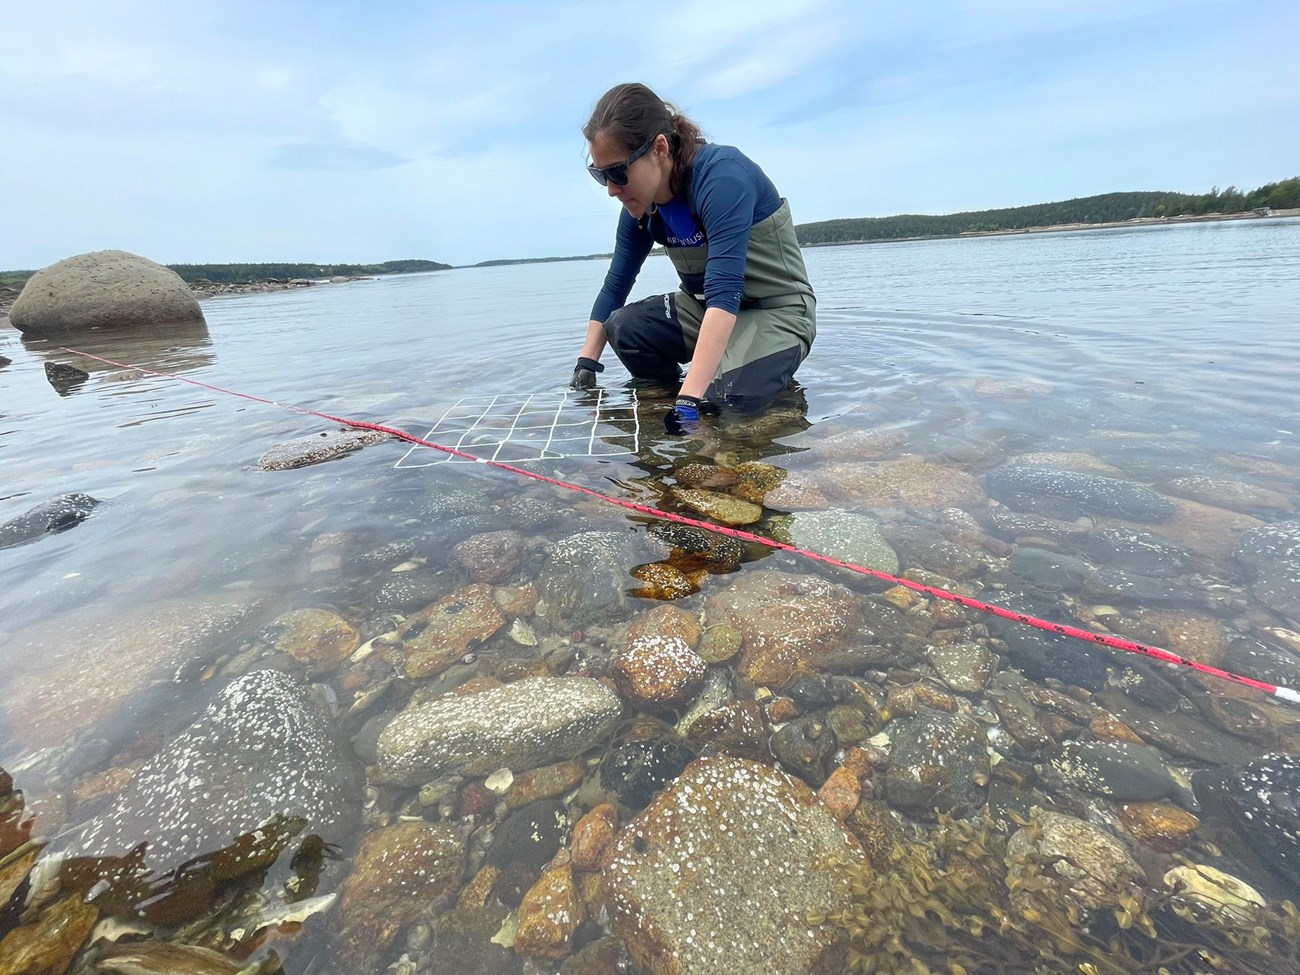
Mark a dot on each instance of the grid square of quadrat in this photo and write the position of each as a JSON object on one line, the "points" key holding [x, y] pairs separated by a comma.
{"points": [[517, 428]]}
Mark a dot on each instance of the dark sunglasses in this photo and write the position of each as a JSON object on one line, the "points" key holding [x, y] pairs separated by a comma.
{"points": [[617, 173]]}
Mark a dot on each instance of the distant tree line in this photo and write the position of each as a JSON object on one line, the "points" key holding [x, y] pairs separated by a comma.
{"points": [[1107, 208], [251, 273]]}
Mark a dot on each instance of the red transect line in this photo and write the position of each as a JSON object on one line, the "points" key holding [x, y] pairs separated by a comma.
{"points": [[1103, 639]]}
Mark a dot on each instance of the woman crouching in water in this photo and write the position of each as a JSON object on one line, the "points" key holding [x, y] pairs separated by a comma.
{"points": [[745, 315]]}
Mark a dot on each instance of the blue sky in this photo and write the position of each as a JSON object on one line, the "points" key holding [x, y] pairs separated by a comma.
{"points": [[345, 131]]}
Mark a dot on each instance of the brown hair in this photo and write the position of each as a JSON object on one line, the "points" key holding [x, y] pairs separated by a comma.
{"points": [[631, 115]]}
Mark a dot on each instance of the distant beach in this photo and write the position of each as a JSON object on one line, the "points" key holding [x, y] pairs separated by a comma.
{"points": [[1071, 227]]}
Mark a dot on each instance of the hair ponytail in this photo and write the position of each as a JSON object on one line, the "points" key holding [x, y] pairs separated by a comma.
{"points": [[685, 142], [630, 115]]}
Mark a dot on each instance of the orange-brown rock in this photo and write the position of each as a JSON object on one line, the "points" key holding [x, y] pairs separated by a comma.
{"points": [[439, 635], [662, 581], [517, 600], [593, 835], [781, 709], [840, 793], [400, 873], [319, 638], [109, 782], [1159, 825], [1110, 727], [788, 623], [658, 672], [48, 945], [549, 914], [667, 621], [544, 783]]}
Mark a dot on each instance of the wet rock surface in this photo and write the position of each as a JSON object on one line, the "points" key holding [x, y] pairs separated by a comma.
{"points": [[586, 576], [259, 770], [439, 635], [49, 518], [1264, 798], [787, 623], [723, 870], [401, 873], [534, 721], [1087, 866], [90, 666], [1118, 769], [939, 762], [1059, 493], [1271, 555], [318, 448], [843, 535]]}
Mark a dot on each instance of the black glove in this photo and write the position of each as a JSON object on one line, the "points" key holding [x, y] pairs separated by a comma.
{"points": [[684, 417], [584, 373]]}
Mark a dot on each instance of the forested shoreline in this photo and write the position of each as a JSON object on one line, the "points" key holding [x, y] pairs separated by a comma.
{"points": [[1107, 208], [1104, 209]]}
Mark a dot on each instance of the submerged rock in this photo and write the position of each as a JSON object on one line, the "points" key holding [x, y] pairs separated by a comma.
{"points": [[318, 638], [658, 671], [1081, 863], [844, 535], [49, 518], [532, 722], [720, 507], [1065, 494], [788, 623], [48, 945], [722, 872], [258, 769], [1119, 770], [1233, 495], [637, 770], [587, 576], [1264, 798], [1040, 654], [1271, 555], [938, 761], [440, 634], [400, 874], [318, 448], [907, 482], [1138, 552], [87, 667]]}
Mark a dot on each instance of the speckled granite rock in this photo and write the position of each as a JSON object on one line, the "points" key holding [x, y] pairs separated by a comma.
{"points": [[788, 622], [258, 769], [1271, 555], [721, 872], [84, 668], [49, 518], [318, 447], [587, 576], [401, 873], [1067, 494], [532, 722]]}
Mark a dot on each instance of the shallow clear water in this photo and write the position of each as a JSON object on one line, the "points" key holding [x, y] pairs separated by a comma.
{"points": [[1167, 352]]}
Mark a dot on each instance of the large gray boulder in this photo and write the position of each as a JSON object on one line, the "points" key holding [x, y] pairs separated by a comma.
{"points": [[104, 289]]}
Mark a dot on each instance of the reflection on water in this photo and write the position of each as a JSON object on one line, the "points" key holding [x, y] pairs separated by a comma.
{"points": [[377, 715]]}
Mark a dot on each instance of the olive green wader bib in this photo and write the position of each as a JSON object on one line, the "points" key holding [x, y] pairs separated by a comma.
{"points": [[778, 313]]}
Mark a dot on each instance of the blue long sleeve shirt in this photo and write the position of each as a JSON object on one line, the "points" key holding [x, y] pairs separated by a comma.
{"points": [[731, 194]]}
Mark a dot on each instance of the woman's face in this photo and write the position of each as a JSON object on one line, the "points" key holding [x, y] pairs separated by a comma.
{"points": [[647, 177]]}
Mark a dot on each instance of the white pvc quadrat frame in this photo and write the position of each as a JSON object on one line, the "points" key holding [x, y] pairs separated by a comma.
{"points": [[521, 427]]}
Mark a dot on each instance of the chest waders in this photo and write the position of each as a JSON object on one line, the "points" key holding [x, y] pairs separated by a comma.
{"points": [[774, 330]]}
